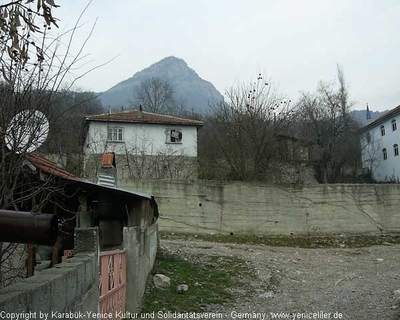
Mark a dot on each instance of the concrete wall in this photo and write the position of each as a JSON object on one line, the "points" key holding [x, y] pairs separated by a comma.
{"points": [[69, 286], [141, 247], [201, 206]]}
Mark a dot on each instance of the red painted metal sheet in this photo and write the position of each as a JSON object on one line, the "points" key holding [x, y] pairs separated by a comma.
{"points": [[67, 254]]}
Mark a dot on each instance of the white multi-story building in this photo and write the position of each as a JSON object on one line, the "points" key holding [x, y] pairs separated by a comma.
{"points": [[380, 142], [146, 145]]}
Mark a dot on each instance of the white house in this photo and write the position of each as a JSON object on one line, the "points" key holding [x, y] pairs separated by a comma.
{"points": [[380, 142], [146, 145]]}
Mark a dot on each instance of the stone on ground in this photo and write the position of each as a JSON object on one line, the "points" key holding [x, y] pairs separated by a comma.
{"points": [[161, 281]]}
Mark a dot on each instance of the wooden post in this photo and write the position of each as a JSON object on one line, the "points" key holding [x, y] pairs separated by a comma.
{"points": [[31, 260], [54, 255]]}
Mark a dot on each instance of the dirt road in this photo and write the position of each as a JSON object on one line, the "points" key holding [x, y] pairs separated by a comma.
{"points": [[356, 283]]}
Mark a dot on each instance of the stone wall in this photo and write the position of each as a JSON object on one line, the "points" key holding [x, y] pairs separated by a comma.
{"points": [[203, 206], [72, 286]]}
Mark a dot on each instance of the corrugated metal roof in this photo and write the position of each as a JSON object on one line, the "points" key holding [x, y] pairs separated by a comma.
{"points": [[136, 116], [41, 163]]}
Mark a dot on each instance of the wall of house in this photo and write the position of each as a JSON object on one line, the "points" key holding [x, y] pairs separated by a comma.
{"points": [[69, 286], [201, 206], [372, 155], [144, 153], [146, 139]]}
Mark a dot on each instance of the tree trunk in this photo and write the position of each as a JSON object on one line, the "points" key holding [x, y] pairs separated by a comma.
{"points": [[324, 173]]}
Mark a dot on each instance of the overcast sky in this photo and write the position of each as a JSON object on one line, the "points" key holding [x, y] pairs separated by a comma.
{"points": [[296, 43]]}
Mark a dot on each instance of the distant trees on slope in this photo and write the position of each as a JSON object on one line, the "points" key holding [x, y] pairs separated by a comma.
{"points": [[257, 132]]}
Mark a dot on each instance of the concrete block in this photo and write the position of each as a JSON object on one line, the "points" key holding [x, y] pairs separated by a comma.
{"points": [[81, 275], [86, 240], [90, 300], [28, 295], [91, 269], [64, 287], [58, 293], [13, 301]]}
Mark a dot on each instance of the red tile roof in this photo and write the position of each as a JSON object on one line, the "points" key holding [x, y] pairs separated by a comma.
{"points": [[145, 117], [382, 118], [45, 165]]}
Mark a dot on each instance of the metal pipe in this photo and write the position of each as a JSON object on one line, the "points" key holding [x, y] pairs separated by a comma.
{"points": [[25, 227]]}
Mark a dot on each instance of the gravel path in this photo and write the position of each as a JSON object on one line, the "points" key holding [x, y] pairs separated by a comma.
{"points": [[358, 283]]}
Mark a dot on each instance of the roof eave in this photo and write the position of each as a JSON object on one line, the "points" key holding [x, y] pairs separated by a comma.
{"points": [[200, 124], [394, 112]]}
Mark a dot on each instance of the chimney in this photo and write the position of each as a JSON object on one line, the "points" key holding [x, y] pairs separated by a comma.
{"points": [[140, 112]]}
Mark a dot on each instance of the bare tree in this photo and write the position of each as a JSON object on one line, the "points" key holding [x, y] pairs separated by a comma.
{"points": [[371, 151], [242, 135], [331, 133], [155, 95], [31, 80], [69, 109]]}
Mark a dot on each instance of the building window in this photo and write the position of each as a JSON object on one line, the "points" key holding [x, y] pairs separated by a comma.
{"points": [[394, 125], [115, 134], [384, 154], [382, 130], [174, 135], [368, 137], [396, 149]]}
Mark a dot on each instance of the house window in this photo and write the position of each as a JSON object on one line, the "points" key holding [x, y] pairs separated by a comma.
{"points": [[174, 135], [394, 125], [368, 137], [115, 134], [396, 149], [384, 154], [382, 130]]}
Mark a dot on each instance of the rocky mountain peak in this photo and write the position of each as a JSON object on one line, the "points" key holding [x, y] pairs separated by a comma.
{"points": [[192, 91]]}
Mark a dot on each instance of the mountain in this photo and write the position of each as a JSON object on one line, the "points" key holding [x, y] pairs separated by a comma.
{"points": [[190, 90], [360, 116]]}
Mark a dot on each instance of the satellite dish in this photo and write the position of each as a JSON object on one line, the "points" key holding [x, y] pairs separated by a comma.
{"points": [[27, 131]]}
